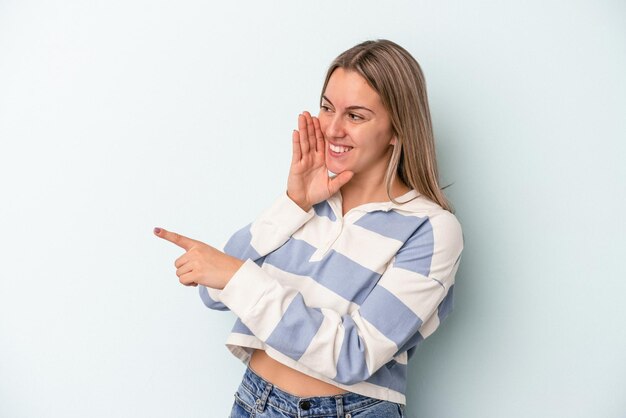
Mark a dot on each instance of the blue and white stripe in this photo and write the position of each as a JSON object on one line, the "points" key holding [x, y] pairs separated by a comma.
{"points": [[345, 299]]}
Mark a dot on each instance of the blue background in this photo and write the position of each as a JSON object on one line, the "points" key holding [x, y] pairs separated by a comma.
{"points": [[119, 116]]}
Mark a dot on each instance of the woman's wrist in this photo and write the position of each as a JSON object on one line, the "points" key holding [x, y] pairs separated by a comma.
{"points": [[233, 266], [305, 206]]}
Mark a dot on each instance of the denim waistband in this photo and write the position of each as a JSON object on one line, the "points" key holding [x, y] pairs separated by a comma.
{"points": [[260, 393]]}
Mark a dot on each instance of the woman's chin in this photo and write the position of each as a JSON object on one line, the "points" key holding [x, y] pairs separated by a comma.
{"points": [[334, 167], [335, 170]]}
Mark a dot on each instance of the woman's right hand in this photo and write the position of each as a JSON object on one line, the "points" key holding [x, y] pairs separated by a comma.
{"points": [[309, 182]]}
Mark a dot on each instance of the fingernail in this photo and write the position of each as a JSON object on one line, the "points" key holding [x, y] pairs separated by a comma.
{"points": [[157, 230]]}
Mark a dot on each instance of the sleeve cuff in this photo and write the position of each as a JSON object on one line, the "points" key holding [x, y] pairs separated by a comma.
{"points": [[285, 216], [245, 289]]}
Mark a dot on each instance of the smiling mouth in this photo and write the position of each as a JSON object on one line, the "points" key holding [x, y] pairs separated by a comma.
{"points": [[338, 149]]}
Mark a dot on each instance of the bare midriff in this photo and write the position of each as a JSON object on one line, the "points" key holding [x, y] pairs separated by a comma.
{"points": [[288, 379]]}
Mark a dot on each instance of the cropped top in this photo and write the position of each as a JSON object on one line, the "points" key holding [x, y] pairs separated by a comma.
{"points": [[344, 299]]}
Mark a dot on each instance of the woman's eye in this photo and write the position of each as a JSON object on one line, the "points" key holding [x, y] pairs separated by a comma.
{"points": [[325, 108], [354, 117]]}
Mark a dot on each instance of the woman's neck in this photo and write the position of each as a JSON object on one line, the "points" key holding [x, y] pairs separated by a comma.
{"points": [[359, 191]]}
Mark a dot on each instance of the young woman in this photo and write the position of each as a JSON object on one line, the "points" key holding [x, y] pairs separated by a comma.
{"points": [[344, 275]]}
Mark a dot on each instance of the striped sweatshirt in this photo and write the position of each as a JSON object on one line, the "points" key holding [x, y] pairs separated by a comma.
{"points": [[345, 299]]}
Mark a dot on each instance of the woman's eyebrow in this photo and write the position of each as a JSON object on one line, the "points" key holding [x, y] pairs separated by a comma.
{"points": [[354, 107]]}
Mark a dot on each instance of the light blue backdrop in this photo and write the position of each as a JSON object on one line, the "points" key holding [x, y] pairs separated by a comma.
{"points": [[119, 116]]}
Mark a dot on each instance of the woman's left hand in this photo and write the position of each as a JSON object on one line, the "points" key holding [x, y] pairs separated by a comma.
{"points": [[201, 264]]}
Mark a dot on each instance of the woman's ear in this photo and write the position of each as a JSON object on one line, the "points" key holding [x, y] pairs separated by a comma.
{"points": [[393, 141]]}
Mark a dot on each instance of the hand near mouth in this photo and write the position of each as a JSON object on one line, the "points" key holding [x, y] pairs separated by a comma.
{"points": [[308, 181]]}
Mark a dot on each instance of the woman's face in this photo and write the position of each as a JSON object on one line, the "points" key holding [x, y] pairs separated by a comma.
{"points": [[356, 126]]}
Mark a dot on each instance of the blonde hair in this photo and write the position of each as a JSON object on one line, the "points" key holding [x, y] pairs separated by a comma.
{"points": [[398, 79]]}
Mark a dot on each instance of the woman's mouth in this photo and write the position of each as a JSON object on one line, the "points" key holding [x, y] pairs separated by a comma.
{"points": [[338, 149]]}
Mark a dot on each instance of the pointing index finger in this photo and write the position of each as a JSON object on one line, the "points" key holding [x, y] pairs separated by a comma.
{"points": [[180, 240]]}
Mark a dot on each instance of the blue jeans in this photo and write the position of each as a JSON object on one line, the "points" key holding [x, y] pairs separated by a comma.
{"points": [[257, 397]]}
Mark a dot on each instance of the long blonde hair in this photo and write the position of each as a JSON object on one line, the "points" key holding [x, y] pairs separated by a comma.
{"points": [[398, 79]]}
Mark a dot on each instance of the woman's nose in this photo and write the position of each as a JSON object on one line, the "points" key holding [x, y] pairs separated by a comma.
{"points": [[334, 127]]}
